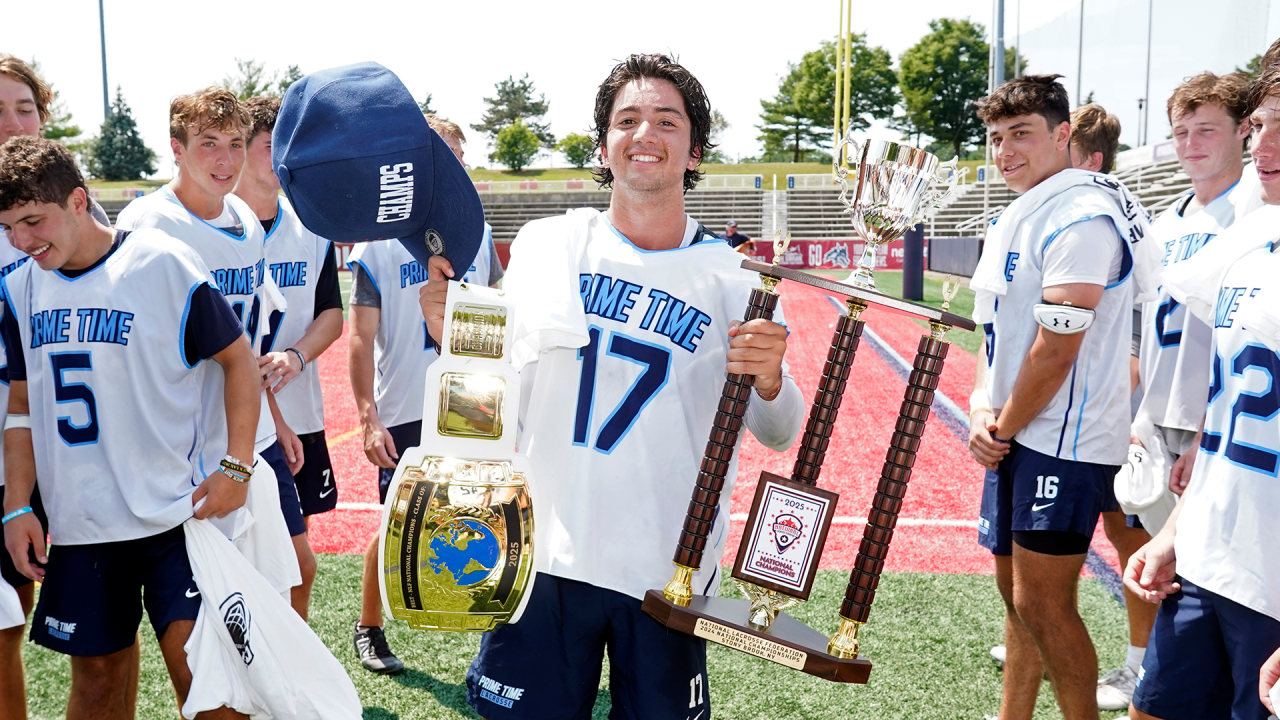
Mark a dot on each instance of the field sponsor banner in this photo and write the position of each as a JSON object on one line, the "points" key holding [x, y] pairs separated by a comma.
{"points": [[834, 254]]}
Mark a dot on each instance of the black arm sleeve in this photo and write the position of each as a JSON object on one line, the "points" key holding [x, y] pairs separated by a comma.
{"points": [[17, 369], [328, 293], [211, 325]]}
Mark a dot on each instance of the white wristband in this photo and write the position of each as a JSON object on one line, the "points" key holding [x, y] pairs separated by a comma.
{"points": [[15, 420]]}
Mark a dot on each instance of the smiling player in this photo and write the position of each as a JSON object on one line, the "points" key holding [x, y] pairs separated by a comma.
{"points": [[627, 325]]}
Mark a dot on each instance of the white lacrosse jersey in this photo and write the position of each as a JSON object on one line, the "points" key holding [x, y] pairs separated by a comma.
{"points": [[296, 257], [616, 427], [402, 349], [10, 259], [1174, 357], [1088, 418], [96, 348], [237, 263], [1225, 541]]}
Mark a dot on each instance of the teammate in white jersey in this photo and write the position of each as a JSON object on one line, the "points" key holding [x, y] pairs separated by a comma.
{"points": [[24, 108], [305, 268], [106, 339], [207, 135], [628, 321], [486, 269], [1052, 427], [389, 342], [1213, 564]]}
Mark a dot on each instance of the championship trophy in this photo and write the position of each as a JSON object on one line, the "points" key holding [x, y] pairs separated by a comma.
{"points": [[789, 519], [456, 549]]}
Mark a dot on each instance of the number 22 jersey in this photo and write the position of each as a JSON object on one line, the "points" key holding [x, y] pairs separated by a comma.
{"points": [[1226, 526]]}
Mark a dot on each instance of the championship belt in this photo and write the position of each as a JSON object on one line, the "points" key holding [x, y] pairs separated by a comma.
{"points": [[456, 548]]}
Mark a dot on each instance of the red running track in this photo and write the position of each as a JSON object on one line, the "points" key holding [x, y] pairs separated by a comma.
{"points": [[937, 530]]}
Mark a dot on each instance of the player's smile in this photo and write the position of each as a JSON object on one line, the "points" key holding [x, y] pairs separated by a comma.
{"points": [[649, 132]]}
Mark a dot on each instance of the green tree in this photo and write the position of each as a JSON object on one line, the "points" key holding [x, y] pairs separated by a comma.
{"points": [[119, 153], [718, 126], [1253, 68], [425, 106], [800, 117], [251, 79], [59, 126], [577, 148], [514, 102], [942, 75], [516, 146]]}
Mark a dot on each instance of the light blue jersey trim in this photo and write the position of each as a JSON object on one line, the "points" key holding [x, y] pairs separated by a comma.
{"points": [[1084, 400], [238, 238], [624, 238], [182, 326]]}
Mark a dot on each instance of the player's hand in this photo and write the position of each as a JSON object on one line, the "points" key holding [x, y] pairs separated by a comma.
{"points": [[1135, 440], [1180, 473], [378, 445], [292, 446], [21, 533], [1268, 676], [432, 295], [221, 496], [1152, 569], [983, 445], [756, 348], [277, 369]]}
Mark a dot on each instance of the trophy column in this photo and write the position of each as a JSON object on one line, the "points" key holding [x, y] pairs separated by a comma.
{"points": [[715, 461], [894, 476], [826, 401]]}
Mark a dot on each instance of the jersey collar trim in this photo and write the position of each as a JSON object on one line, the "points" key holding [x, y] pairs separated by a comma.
{"points": [[690, 229], [275, 225], [238, 238]]}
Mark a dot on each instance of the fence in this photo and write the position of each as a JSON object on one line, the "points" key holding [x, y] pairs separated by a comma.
{"points": [[118, 194], [504, 187]]}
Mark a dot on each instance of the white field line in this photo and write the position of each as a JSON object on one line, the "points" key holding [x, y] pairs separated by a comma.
{"points": [[742, 517]]}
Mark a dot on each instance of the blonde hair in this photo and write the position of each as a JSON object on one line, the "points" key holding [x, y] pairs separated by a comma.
{"points": [[212, 107], [445, 127], [1093, 129]]}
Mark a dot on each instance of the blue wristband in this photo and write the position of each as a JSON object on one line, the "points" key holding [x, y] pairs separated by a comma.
{"points": [[16, 513]]}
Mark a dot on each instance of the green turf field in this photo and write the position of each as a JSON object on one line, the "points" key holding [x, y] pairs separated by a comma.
{"points": [[928, 636]]}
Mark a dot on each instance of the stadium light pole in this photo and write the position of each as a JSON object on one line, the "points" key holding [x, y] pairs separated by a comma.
{"points": [[1017, 43], [102, 34], [1080, 54], [999, 43], [1146, 94]]}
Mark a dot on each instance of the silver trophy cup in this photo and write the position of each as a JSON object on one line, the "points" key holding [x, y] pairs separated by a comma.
{"points": [[890, 188]]}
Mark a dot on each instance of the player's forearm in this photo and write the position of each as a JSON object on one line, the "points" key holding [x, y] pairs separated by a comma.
{"points": [[276, 416], [19, 454], [322, 333], [776, 423], [1046, 367], [242, 396], [360, 366]]}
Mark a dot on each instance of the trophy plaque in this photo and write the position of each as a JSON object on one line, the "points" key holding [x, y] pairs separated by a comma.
{"points": [[456, 548], [789, 519]]}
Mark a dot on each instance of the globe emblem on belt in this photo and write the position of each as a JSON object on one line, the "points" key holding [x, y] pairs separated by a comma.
{"points": [[463, 552], [787, 529]]}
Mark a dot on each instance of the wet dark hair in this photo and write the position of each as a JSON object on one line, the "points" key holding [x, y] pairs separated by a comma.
{"points": [[697, 107], [262, 114], [1266, 86], [36, 170], [1039, 95]]}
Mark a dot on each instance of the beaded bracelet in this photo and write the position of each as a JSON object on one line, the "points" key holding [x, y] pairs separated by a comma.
{"points": [[16, 513], [301, 359]]}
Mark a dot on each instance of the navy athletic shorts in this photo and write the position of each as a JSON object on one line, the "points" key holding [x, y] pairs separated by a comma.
{"points": [[89, 601], [290, 505], [405, 436], [1034, 491], [548, 664], [317, 489], [1203, 659], [7, 569]]}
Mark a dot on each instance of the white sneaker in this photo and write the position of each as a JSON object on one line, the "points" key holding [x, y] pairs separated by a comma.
{"points": [[1115, 689], [997, 654]]}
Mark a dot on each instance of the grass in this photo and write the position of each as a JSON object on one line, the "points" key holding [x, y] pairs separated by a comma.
{"points": [[765, 169], [928, 637]]}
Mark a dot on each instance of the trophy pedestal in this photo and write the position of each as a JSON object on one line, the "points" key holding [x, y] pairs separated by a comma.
{"points": [[787, 642]]}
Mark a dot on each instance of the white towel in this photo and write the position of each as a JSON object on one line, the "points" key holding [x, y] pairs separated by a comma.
{"points": [[249, 650], [1130, 218], [1195, 282], [11, 614], [541, 266], [259, 531]]}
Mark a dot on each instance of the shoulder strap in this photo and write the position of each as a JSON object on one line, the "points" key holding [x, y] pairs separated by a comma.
{"points": [[700, 234]]}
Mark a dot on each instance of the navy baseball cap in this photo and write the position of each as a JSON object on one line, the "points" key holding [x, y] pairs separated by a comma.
{"points": [[358, 162]]}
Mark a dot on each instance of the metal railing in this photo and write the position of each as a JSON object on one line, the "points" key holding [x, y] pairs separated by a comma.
{"points": [[118, 194], [981, 220], [710, 182]]}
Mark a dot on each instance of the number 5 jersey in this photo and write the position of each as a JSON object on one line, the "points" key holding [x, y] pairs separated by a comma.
{"points": [[624, 354]]}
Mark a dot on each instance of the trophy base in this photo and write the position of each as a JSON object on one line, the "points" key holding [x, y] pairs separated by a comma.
{"points": [[787, 641]]}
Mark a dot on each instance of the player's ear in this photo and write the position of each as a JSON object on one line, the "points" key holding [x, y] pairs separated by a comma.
{"points": [[1062, 136], [177, 147], [78, 201], [694, 157]]}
